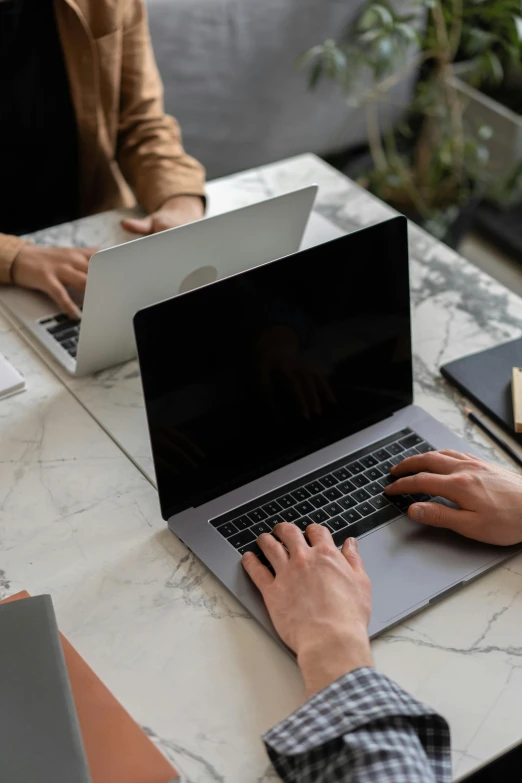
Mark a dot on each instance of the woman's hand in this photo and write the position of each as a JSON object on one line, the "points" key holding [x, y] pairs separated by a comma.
{"points": [[175, 212], [51, 269]]}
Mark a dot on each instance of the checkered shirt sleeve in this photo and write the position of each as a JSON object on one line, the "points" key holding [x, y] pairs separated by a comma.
{"points": [[362, 729]]}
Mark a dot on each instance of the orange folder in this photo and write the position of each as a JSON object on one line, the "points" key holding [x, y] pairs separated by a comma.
{"points": [[117, 750]]}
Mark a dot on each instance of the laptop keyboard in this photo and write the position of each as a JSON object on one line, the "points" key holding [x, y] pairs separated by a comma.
{"points": [[65, 331], [347, 497]]}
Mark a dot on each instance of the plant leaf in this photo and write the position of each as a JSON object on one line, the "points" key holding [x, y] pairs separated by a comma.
{"points": [[517, 21], [497, 71], [316, 74]]}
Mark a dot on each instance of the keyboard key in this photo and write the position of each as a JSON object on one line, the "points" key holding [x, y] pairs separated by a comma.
{"points": [[368, 462], [411, 440], [59, 328], [373, 474], [394, 448], [403, 502], [314, 487], [347, 502], [424, 448], [386, 480], [286, 501], [386, 466], [420, 498], [261, 527], [328, 481], [290, 514], [228, 529], [68, 344], [303, 523], [319, 516], [252, 547], [300, 494], [336, 523], [346, 487], [365, 524], [304, 508], [257, 515], [396, 460], [381, 455], [333, 509], [318, 501], [342, 474], [218, 521], [364, 509], [409, 453], [360, 481], [374, 489], [355, 467], [273, 521], [241, 539], [351, 516], [380, 502], [332, 493], [242, 522], [73, 352], [64, 335], [359, 495], [272, 508]]}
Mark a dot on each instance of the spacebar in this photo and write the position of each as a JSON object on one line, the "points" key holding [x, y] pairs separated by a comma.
{"points": [[357, 529]]}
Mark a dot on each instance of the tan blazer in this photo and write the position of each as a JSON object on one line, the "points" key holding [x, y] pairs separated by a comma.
{"points": [[125, 138]]}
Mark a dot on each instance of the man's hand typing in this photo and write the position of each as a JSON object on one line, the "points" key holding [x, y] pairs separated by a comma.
{"points": [[489, 497], [319, 600]]}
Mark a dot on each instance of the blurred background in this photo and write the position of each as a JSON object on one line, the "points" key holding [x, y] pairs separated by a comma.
{"points": [[420, 101]]}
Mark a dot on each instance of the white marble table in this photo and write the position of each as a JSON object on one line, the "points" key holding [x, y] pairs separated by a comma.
{"points": [[80, 521]]}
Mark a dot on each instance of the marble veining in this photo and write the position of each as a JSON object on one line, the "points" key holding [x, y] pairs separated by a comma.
{"points": [[78, 520]]}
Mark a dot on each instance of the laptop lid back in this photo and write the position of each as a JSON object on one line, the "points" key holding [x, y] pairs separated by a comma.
{"points": [[125, 278], [253, 372]]}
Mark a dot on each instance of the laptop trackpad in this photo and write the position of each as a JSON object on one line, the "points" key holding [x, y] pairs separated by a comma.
{"points": [[409, 563]]}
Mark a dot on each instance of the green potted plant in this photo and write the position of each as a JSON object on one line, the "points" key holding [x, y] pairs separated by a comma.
{"points": [[436, 161]]}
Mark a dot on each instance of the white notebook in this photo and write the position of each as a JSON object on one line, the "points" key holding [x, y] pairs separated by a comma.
{"points": [[11, 382]]}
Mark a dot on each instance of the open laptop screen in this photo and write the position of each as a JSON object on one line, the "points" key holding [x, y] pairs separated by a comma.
{"points": [[252, 372]]}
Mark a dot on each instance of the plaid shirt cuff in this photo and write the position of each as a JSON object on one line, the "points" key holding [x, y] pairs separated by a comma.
{"points": [[362, 728]]}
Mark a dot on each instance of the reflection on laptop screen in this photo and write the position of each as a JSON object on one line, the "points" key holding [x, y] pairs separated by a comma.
{"points": [[252, 372]]}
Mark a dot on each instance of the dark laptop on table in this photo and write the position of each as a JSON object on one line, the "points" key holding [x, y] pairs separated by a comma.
{"points": [[285, 393]]}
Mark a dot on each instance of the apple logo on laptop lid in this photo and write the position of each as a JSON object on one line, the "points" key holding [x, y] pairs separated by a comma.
{"points": [[199, 277]]}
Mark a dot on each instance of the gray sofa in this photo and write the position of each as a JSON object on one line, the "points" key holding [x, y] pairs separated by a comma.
{"points": [[230, 78]]}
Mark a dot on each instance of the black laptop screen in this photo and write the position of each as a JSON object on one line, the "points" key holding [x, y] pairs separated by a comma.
{"points": [[250, 373]]}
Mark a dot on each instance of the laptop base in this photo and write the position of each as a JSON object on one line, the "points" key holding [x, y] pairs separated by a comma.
{"points": [[411, 566]]}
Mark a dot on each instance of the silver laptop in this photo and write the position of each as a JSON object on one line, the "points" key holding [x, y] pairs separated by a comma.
{"points": [[290, 398], [124, 278]]}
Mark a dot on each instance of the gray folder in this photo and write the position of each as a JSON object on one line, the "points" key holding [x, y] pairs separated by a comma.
{"points": [[40, 739]]}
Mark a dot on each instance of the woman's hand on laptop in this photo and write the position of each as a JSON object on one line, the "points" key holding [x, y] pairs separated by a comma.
{"points": [[489, 497], [51, 269], [319, 600], [175, 212]]}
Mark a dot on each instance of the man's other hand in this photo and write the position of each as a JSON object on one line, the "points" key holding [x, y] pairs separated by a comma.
{"points": [[175, 212], [319, 600], [489, 497], [51, 269]]}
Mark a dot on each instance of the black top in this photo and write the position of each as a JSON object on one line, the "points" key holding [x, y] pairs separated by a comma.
{"points": [[38, 134]]}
